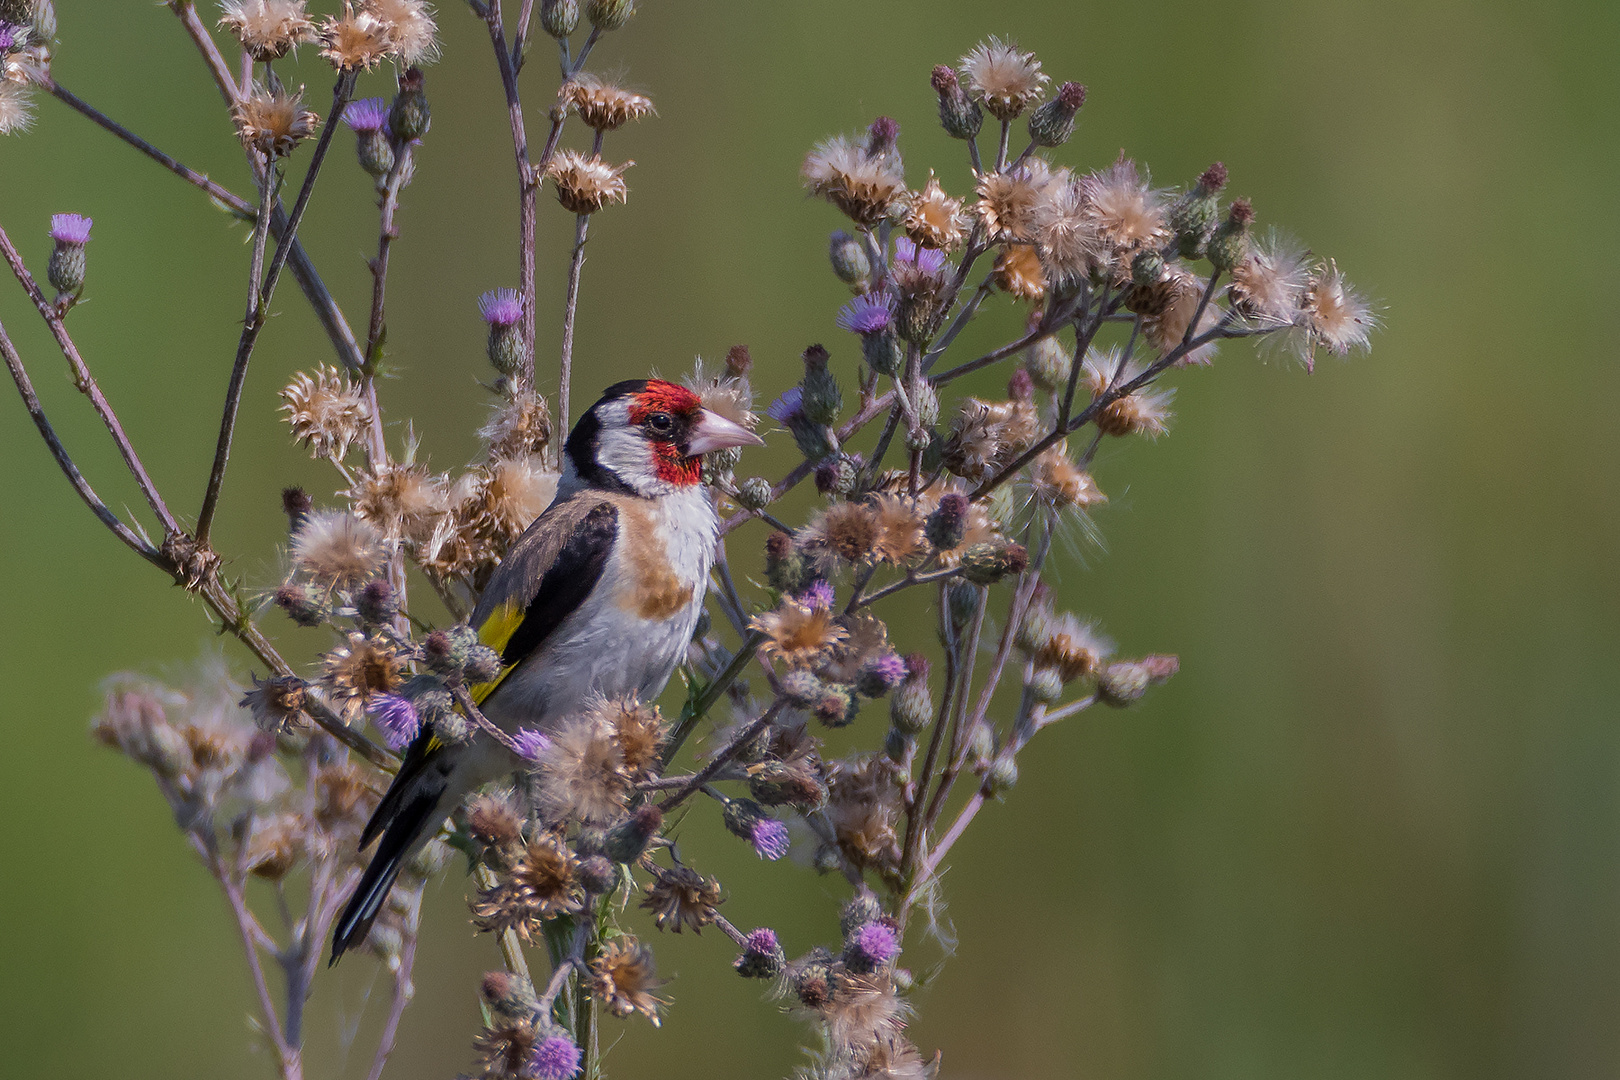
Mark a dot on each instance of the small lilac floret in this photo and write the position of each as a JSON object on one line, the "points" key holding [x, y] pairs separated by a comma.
{"points": [[70, 228], [396, 719], [10, 36], [818, 596], [366, 115], [501, 307], [928, 260], [786, 407], [869, 314], [770, 838], [762, 941], [888, 668], [554, 1057], [876, 942], [531, 742]]}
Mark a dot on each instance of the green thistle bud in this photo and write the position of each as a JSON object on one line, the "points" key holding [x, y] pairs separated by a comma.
{"points": [[822, 397], [1230, 243], [1049, 363], [849, 261], [507, 350], [981, 745], [959, 115], [986, 564], [483, 665], [1053, 123], [801, 689], [1194, 215], [1002, 774], [304, 604], [837, 706], [559, 18], [1044, 685], [911, 705], [784, 566], [762, 956], [882, 352], [926, 401], [609, 14], [897, 746], [826, 859], [410, 116], [837, 475], [629, 838], [67, 266], [1147, 268], [164, 751], [450, 727], [446, 652], [509, 996], [963, 600], [815, 441], [1126, 681], [754, 492], [375, 151], [862, 908]]}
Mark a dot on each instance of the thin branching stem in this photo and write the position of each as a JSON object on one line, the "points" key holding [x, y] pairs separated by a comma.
{"points": [[722, 757]]}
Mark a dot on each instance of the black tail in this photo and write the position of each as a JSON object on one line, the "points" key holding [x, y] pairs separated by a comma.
{"points": [[413, 812]]}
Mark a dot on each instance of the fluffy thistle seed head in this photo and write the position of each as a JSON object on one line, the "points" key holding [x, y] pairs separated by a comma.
{"points": [[601, 104], [934, 219], [338, 550], [273, 122], [586, 184], [325, 411], [1072, 648], [412, 33], [682, 897], [1127, 212], [1268, 287], [1339, 317], [357, 40], [624, 977], [797, 635], [582, 772], [867, 187], [16, 108], [1003, 77], [267, 29]]}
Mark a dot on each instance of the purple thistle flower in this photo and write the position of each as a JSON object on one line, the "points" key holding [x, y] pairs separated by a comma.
{"points": [[770, 838], [876, 943], [928, 260], [366, 115], [11, 35], [531, 742], [501, 307], [885, 669], [818, 595], [785, 408], [70, 228], [868, 314], [554, 1057], [762, 940], [396, 719]]}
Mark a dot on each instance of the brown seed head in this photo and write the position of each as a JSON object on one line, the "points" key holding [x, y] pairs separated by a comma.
{"points": [[1003, 77], [682, 897], [586, 184], [601, 104], [326, 411], [356, 40], [624, 977], [273, 122], [934, 219], [867, 187], [267, 29]]}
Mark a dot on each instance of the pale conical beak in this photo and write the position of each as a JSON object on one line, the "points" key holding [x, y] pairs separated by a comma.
{"points": [[715, 432]]}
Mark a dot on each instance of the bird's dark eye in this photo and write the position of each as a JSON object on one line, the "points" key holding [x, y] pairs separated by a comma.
{"points": [[660, 423]]}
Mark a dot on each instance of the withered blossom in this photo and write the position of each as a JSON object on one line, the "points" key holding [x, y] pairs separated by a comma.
{"points": [[586, 184], [682, 897], [357, 40], [411, 30], [797, 635], [1003, 78], [624, 976], [582, 772], [337, 550], [868, 187], [273, 122], [519, 426], [325, 411], [542, 884], [603, 105], [267, 29], [934, 219]]}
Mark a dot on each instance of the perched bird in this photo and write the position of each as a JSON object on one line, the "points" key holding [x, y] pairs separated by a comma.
{"points": [[598, 597]]}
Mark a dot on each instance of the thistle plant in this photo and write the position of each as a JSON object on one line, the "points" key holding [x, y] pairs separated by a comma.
{"points": [[957, 500]]}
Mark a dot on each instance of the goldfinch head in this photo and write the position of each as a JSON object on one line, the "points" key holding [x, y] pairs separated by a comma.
{"points": [[648, 436]]}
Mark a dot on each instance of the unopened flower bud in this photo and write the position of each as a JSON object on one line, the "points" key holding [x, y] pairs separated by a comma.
{"points": [[502, 309], [1147, 268], [881, 136], [897, 746], [879, 674], [836, 707], [986, 564], [1020, 386], [446, 652], [814, 979], [1125, 681], [628, 839], [66, 269], [296, 504], [822, 397], [1002, 774], [1230, 243], [368, 119], [963, 601], [375, 603], [609, 14], [1049, 363], [1194, 215], [862, 908], [784, 566], [559, 18], [508, 996], [450, 727], [410, 116], [947, 525], [911, 707], [483, 665], [837, 475], [762, 956], [926, 400], [981, 745], [960, 116], [815, 441], [754, 492], [386, 940], [1053, 123], [598, 874], [304, 604], [1044, 685], [848, 257]]}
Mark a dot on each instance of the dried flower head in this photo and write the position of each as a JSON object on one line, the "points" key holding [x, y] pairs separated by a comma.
{"points": [[360, 668], [276, 703], [275, 845], [1173, 301], [1145, 411], [494, 821], [16, 108], [899, 521], [1072, 648], [325, 411], [356, 40], [864, 806], [797, 635], [638, 730], [1019, 274], [1007, 200], [682, 897], [405, 501], [1339, 318], [987, 435], [411, 30], [868, 186], [724, 393], [267, 29], [1056, 481], [273, 122], [518, 427], [1066, 235], [504, 1048], [844, 531], [586, 184], [542, 883], [864, 1009], [343, 797], [1127, 213], [582, 772], [934, 219], [601, 104], [1003, 77], [1269, 286], [510, 494], [337, 549], [624, 977]]}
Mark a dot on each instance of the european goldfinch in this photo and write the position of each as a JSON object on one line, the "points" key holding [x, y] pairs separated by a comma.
{"points": [[599, 597]]}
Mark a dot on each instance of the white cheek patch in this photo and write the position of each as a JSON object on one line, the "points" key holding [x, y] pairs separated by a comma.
{"points": [[623, 451]]}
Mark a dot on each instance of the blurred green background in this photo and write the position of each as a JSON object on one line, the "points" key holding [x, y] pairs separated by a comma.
{"points": [[1372, 829]]}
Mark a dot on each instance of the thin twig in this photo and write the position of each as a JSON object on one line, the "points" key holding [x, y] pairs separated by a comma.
{"points": [[711, 694], [480, 721], [723, 756], [576, 263]]}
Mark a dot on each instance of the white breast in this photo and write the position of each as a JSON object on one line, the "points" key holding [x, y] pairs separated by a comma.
{"points": [[634, 626]]}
